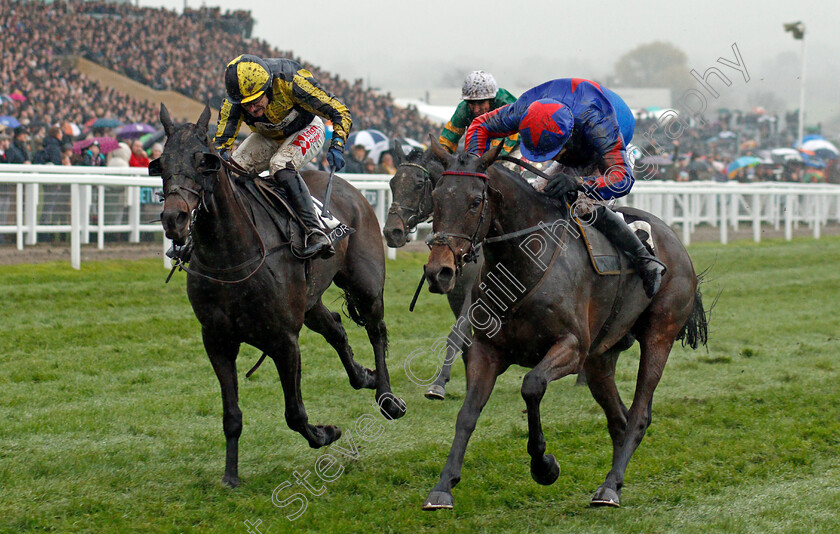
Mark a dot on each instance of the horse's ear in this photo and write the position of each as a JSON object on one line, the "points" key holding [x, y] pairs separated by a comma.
{"points": [[490, 156], [441, 153], [397, 150], [168, 126], [204, 120], [155, 167]]}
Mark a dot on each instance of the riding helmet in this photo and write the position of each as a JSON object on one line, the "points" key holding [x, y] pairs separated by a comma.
{"points": [[246, 79], [479, 85]]}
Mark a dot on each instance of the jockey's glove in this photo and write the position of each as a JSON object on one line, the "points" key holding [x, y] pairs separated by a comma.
{"points": [[335, 158], [561, 185]]}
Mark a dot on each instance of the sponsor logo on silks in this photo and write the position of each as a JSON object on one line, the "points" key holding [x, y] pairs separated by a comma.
{"points": [[340, 231], [305, 139]]}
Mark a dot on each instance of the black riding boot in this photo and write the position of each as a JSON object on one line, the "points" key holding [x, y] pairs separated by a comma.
{"points": [[613, 226], [316, 243]]}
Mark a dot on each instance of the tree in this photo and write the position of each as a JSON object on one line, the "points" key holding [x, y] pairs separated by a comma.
{"points": [[656, 64]]}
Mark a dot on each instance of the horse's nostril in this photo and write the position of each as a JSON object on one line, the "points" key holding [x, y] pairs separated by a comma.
{"points": [[181, 218], [445, 276]]}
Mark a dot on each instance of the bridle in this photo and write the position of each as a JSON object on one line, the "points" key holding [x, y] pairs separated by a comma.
{"points": [[445, 238], [196, 190], [420, 214]]}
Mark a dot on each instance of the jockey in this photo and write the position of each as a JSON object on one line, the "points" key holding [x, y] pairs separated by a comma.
{"points": [[283, 105], [479, 95], [585, 128]]}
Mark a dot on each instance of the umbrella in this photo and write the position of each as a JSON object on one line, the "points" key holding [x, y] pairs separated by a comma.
{"points": [[659, 159], [17, 96], [810, 137], [727, 135], [812, 160], [822, 148], [366, 138], [151, 138], [71, 128], [718, 166], [135, 130], [741, 163], [105, 123], [784, 155], [9, 122], [106, 144], [697, 165]]}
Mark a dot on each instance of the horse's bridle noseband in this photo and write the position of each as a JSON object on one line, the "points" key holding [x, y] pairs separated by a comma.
{"points": [[417, 215], [445, 238]]}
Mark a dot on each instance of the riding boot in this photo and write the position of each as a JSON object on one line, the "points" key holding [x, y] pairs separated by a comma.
{"points": [[616, 230], [316, 243]]}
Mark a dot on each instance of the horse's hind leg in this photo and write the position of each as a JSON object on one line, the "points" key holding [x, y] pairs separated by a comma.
{"points": [[286, 356], [320, 319], [655, 348], [562, 359], [222, 353], [600, 372]]}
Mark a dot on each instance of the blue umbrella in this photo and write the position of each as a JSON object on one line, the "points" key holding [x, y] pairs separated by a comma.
{"points": [[812, 160], [134, 130], [105, 123], [740, 163], [9, 122], [368, 138]]}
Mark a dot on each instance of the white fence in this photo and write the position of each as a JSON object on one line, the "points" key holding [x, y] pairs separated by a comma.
{"points": [[92, 202]]}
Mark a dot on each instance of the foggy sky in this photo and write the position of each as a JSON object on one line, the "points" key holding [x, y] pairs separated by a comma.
{"points": [[398, 44]]}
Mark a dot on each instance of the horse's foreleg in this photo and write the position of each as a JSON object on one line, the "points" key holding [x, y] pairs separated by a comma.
{"points": [[456, 342], [286, 356], [484, 364], [562, 359], [222, 353], [655, 348], [320, 319]]}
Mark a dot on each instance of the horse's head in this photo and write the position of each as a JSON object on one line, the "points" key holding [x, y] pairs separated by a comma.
{"points": [[461, 214], [411, 190], [188, 165]]}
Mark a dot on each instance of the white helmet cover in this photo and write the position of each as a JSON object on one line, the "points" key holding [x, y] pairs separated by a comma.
{"points": [[479, 85]]}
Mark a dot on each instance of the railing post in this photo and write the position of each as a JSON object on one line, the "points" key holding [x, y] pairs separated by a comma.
{"points": [[756, 217], [31, 213], [85, 215], [788, 217], [134, 213], [724, 230], [75, 233], [687, 216], [19, 215], [100, 217]]}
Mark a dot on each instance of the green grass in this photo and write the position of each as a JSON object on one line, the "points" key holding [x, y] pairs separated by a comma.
{"points": [[110, 415]]}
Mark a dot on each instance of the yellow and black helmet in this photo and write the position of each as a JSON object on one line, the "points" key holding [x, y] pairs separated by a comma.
{"points": [[246, 78]]}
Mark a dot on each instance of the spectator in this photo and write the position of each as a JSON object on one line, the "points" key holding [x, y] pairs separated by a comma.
{"points": [[92, 157], [5, 143], [51, 153], [67, 154], [356, 160], [370, 166], [138, 155], [155, 151], [386, 164], [18, 152]]}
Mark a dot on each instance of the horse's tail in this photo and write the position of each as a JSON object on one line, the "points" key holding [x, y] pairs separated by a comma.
{"points": [[695, 331]]}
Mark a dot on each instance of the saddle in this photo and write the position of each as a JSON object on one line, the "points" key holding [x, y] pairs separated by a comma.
{"points": [[604, 256], [273, 199]]}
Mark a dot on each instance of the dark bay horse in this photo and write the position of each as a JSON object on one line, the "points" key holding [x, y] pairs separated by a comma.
{"points": [[411, 193], [550, 311], [245, 285]]}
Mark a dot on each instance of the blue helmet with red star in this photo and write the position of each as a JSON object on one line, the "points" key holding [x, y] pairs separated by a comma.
{"points": [[544, 129]]}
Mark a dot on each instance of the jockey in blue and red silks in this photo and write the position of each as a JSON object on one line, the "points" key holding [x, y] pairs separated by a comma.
{"points": [[585, 128]]}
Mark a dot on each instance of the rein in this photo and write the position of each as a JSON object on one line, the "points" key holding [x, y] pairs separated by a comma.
{"points": [[445, 238], [419, 214]]}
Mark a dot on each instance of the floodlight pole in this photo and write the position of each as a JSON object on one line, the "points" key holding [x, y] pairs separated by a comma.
{"points": [[802, 92]]}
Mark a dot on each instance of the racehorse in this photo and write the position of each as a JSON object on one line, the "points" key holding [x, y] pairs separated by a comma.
{"points": [[411, 191], [550, 311], [246, 286]]}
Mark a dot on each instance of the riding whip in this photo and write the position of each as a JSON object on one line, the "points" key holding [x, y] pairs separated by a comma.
{"points": [[417, 293], [328, 194]]}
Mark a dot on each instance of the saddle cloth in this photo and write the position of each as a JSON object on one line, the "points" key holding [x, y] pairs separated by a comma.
{"points": [[603, 254]]}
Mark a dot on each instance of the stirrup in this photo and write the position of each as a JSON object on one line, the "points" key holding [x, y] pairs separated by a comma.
{"points": [[322, 249]]}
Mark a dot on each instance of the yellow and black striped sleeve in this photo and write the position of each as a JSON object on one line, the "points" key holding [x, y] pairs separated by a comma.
{"points": [[311, 97], [230, 120]]}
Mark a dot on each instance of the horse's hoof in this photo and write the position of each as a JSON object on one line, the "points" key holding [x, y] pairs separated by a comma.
{"points": [[605, 497], [546, 470], [231, 481], [438, 500], [325, 434], [435, 392], [392, 407]]}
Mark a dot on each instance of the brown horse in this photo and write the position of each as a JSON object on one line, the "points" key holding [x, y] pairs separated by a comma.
{"points": [[411, 191], [550, 311], [246, 286]]}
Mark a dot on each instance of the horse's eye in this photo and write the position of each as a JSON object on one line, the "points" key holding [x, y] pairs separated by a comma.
{"points": [[418, 186], [475, 203]]}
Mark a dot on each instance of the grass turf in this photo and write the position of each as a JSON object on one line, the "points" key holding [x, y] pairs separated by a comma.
{"points": [[111, 415]]}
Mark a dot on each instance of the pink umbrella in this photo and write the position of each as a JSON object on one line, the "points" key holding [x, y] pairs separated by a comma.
{"points": [[106, 144], [17, 96]]}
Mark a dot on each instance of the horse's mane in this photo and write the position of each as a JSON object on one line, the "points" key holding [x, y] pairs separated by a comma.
{"points": [[534, 196]]}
